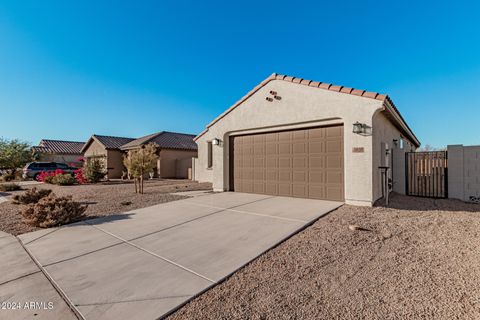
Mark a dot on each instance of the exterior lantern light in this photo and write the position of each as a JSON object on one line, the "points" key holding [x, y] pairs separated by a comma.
{"points": [[216, 142], [361, 128], [357, 128]]}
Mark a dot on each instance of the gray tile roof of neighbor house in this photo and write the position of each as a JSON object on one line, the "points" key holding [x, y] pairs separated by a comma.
{"points": [[59, 146], [165, 140], [110, 142]]}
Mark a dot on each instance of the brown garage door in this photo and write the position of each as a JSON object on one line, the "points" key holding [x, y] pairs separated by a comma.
{"points": [[305, 163]]}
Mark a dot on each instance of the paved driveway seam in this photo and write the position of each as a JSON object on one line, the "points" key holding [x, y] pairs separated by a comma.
{"points": [[55, 285], [132, 300], [247, 212], [156, 255]]}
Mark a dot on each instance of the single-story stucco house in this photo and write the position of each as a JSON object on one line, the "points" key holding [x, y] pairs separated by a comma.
{"points": [[175, 152], [300, 138], [107, 148], [69, 152]]}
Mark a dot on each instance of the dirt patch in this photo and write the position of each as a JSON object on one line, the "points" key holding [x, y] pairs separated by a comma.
{"points": [[102, 199], [419, 259]]}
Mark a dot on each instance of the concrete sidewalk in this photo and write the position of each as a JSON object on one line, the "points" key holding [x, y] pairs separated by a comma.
{"points": [[145, 263], [25, 292]]}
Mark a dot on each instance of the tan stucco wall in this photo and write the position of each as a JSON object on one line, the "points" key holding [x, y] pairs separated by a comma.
{"points": [[115, 165], [95, 149], [175, 163], [464, 172], [385, 132], [300, 107]]}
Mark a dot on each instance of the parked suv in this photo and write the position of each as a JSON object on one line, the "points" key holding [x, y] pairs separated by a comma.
{"points": [[33, 169]]}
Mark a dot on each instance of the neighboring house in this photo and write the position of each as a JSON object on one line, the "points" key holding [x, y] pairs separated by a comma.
{"points": [[69, 152], [295, 137], [107, 148], [175, 152]]}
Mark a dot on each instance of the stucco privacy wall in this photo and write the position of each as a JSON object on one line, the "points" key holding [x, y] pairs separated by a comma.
{"points": [[384, 132], [175, 163], [299, 107], [464, 172]]}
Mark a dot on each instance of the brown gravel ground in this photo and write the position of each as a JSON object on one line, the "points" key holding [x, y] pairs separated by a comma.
{"points": [[420, 260], [102, 199]]}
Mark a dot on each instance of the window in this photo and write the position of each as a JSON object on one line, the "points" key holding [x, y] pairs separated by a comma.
{"points": [[401, 143], [209, 154], [62, 166]]}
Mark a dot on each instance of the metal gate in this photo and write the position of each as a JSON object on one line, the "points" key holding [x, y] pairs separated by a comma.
{"points": [[427, 174]]}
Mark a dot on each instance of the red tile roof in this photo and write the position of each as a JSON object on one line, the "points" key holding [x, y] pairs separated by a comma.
{"points": [[321, 85]]}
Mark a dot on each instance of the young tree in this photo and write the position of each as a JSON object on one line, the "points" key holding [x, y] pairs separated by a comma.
{"points": [[14, 154], [140, 162], [94, 170]]}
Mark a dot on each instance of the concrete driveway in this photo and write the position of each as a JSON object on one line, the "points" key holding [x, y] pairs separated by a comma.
{"points": [[145, 263]]}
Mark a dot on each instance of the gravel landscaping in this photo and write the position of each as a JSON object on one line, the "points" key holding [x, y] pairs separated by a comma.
{"points": [[102, 199], [417, 259]]}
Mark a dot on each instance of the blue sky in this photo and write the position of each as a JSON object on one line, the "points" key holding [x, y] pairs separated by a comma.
{"points": [[70, 69]]}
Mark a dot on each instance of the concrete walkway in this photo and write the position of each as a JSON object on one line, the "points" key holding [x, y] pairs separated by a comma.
{"points": [[145, 263], [25, 292]]}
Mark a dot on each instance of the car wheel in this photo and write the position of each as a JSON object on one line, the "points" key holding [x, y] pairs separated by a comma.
{"points": [[36, 176]]}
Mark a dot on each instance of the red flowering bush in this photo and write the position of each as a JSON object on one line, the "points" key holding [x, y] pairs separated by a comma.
{"points": [[79, 176], [47, 176]]}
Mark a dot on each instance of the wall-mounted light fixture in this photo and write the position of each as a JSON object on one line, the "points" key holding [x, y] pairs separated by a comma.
{"points": [[362, 129], [395, 142], [216, 142]]}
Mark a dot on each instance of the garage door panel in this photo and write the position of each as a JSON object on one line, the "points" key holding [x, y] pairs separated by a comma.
{"points": [[317, 162], [271, 162], [316, 177], [316, 147], [271, 175], [284, 148], [285, 189], [316, 133], [271, 149], [333, 146], [285, 163], [271, 188], [334, 162], [300, 176], [259, 187], [334, 193], [300, 190], [300, 147], [284, 176], [305, 163]]}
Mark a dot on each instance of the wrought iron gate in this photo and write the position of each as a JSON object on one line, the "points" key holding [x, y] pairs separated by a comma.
{"points": [[427, 174]]}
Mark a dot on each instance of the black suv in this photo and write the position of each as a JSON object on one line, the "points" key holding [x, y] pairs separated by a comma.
{"points": [[33, 169]]}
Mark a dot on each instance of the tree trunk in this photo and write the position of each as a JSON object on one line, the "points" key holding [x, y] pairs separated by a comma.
{"points": [[135, 183]]}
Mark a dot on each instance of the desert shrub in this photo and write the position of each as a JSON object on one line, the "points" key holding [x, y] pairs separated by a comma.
{"points": [[47, 176], [31, 196], [94, 170], [9, 176], [53, 211], [64, 179], [10, 187]]}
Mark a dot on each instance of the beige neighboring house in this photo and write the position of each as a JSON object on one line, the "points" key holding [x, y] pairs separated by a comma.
{"points": [[300, 138], [107, 148], [175, 152], [69, 152]]}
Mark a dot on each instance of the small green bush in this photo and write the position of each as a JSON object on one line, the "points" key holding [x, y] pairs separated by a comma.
{"points": [[63, 179], [53, 211], [10, 187], [31, 196], [94, 170]]}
